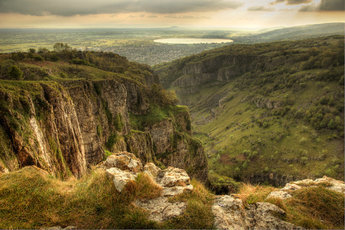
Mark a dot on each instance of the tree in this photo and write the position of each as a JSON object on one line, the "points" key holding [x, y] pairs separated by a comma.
{"points": [[59, 47], [15, 73], [31, 50]]}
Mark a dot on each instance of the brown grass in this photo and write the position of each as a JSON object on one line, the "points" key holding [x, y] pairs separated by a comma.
{"points": [[30, 198], [146, 187], [253, 193]]}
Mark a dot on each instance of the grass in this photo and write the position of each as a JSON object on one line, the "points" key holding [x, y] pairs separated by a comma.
{"points": [[243, 133], [198, 214], [314, 208], [146, 187], [30, 198], [250, 194]]}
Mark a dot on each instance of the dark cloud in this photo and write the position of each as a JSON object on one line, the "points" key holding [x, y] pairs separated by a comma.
{"points": [[326, 5], [332, 5], [260, 8], [84, 7], [293, 2]]}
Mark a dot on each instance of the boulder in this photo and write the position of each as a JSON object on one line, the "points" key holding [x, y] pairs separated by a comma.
{"points": [[161, 209], [120, 177], [327, 182], [229, 213], [176, 190], [279, 194], [123, 161], [262, 215], [152, 170], [171, 177]]}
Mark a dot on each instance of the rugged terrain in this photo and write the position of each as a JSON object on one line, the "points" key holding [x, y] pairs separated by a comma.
{"points": [[64, 110], [122, 192], [266, 113]]}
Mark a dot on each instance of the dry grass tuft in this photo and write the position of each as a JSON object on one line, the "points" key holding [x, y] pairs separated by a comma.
{"points": [[250, 194], [146, 187]]}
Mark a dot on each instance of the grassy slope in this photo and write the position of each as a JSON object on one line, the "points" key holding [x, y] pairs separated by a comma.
{"points": [[302, 137], [31, 198]]}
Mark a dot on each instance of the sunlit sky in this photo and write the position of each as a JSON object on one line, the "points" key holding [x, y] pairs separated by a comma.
{"points": [[247, 14]]}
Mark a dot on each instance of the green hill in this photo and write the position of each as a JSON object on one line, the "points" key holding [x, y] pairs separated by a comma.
{"points": [[266, 113]]}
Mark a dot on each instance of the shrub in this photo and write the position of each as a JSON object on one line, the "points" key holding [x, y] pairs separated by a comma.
{"points": [[15, 73], [111, 141]]}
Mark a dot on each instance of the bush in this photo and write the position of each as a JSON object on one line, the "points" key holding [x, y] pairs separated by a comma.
{"points": [[15, 73]]}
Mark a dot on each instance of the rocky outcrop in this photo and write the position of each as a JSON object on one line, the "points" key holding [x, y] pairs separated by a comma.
{"points": [[124, 167], [64, 127], [327, 182], [230, 213]]}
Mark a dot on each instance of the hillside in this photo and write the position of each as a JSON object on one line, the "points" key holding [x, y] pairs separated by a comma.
{"points": [[266, 113], [90, 140], [294, 33], [64, 110]]}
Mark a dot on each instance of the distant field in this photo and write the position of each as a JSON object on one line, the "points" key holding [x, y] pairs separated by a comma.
{"points": [[138, 44], [135, 44]]}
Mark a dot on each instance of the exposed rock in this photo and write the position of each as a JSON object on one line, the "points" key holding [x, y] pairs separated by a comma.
{"points": [[327, 182], [279, 194], [123, 167], [161, 135], [82, 116], [152, 170], [262, 215], [291, 187], [120, 177], [124, 161], [161, 209], [176, 190], [336, 185], [173, 177], [230, 213]]}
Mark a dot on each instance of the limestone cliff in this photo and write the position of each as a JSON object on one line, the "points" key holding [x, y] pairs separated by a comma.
{"points": [[65, 125]]}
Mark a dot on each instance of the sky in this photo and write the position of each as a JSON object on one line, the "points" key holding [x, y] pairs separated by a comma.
{"points": [[246, 14]]}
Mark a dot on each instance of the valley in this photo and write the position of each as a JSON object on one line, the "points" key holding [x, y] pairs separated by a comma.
{"points": [[266, 113], [241, 135]]}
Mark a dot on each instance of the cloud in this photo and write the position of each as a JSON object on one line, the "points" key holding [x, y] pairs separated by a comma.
{"points": [[85, 7], [326, 5], [260, 8], [292, 2], [332, 5]]}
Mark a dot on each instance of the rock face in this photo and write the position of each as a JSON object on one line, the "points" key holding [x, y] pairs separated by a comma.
{"points": [[230, 213], [329, 183], [124, 167], [63, 127]]}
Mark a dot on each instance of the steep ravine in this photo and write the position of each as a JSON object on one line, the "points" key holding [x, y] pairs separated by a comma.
{"points": [[266, 113]]}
